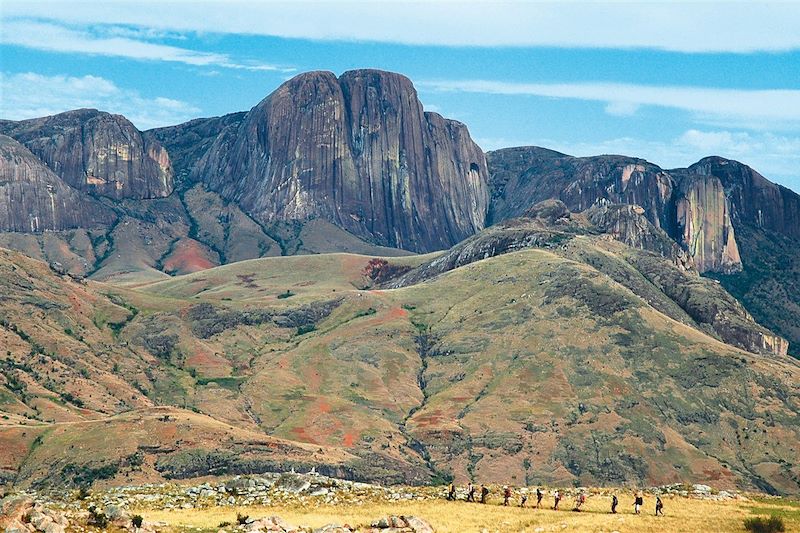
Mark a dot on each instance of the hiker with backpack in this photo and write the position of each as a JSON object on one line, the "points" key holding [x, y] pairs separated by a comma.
{"points": [[637, 503], [484, 493], [506, 494], [659, 506], [614, 503]]}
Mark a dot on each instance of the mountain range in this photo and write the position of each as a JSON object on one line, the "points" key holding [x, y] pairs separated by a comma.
{"points": [[338, 278]]}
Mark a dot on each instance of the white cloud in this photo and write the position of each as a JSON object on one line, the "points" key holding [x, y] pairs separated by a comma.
{"points": [[776, 157], [114, 41], [711, 26], [30, 95], [767, 108]]}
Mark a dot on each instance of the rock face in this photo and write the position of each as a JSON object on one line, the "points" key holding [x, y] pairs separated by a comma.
{"points": [[753, 199], [627, 223], [97, 152], [187, 143], [33, 199], [358, 151], [521, 177], [703, 218]]}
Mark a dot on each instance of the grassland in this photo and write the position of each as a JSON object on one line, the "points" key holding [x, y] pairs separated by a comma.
{"points": [[682, 515]]}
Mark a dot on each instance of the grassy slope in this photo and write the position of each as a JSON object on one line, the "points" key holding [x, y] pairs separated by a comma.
{"points": [[529, 366], [682, 515]]}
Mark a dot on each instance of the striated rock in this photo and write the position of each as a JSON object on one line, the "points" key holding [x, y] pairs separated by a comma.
{"points": [[521, 177], [187, 143], [358, 151], [753, 199], [627, 223], [703, 218], [97, 152], [33, 199]]}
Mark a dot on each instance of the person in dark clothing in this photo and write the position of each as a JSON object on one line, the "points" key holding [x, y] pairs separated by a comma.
{"points": [[614, 503], [470, 492], [556, 499], [506, 495], [637, 503], [659, 506], [451, 492], [539, 496], [522, 500], [484, 493]]}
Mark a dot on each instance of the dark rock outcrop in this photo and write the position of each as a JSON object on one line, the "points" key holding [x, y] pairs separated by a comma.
{"points": [[627, 223], [521, 177], [97, 152], [33, 199], [358, 151], [187, 143], [753, 199]]}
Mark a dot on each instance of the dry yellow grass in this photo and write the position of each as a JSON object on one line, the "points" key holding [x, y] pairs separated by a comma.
{"points": [[682, 515]]}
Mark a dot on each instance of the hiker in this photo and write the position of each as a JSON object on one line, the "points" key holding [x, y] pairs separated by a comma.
{"points": [[484, 493], [659, 506], [470, 492], [556, 498], [637, 503], [506, 494], [522, 499], [451, 492], [579, 501], [539, 496], [614, 503]]}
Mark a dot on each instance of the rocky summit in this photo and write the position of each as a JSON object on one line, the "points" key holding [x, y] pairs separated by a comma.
{"points": [[359, 151]]}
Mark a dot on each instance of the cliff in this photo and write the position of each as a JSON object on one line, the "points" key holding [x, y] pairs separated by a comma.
{"points": [[97, 152], [358, 151], [33, 199]]}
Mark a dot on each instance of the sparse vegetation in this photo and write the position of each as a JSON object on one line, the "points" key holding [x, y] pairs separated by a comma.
{"points": [[758, 524]]}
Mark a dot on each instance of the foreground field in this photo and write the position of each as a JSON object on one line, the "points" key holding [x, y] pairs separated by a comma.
{"points": [[682, 515]]}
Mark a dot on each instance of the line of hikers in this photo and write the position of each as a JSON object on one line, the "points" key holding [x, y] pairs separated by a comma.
{"points": [[580, 499]]}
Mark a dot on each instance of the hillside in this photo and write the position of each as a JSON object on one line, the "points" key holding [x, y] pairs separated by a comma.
{"points": [[536, 365]]}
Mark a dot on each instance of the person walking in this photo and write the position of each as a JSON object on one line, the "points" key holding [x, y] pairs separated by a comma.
{"points": [[470, 492], [523, 498], [484, 493], [637, 503], [659, 506], [579, 501], [556, 499], [506, 494], [614, 503], [451, 492], [539, 496]]}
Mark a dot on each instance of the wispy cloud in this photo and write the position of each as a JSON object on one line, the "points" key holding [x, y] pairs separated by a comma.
{"points": [[775, 156], [771, 108], [29, 95], [712, 26], [116, 41]]}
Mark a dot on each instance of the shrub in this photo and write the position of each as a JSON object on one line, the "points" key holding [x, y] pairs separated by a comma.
{"points": [[224, 524], [83, 493], [286, 294], [307, 328], [380, 270], [97, 518], [242, 518], [759, 524], [137, 520]]}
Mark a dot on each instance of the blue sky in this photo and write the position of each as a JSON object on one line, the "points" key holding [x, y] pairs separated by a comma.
{"points": [[670, 82]]}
